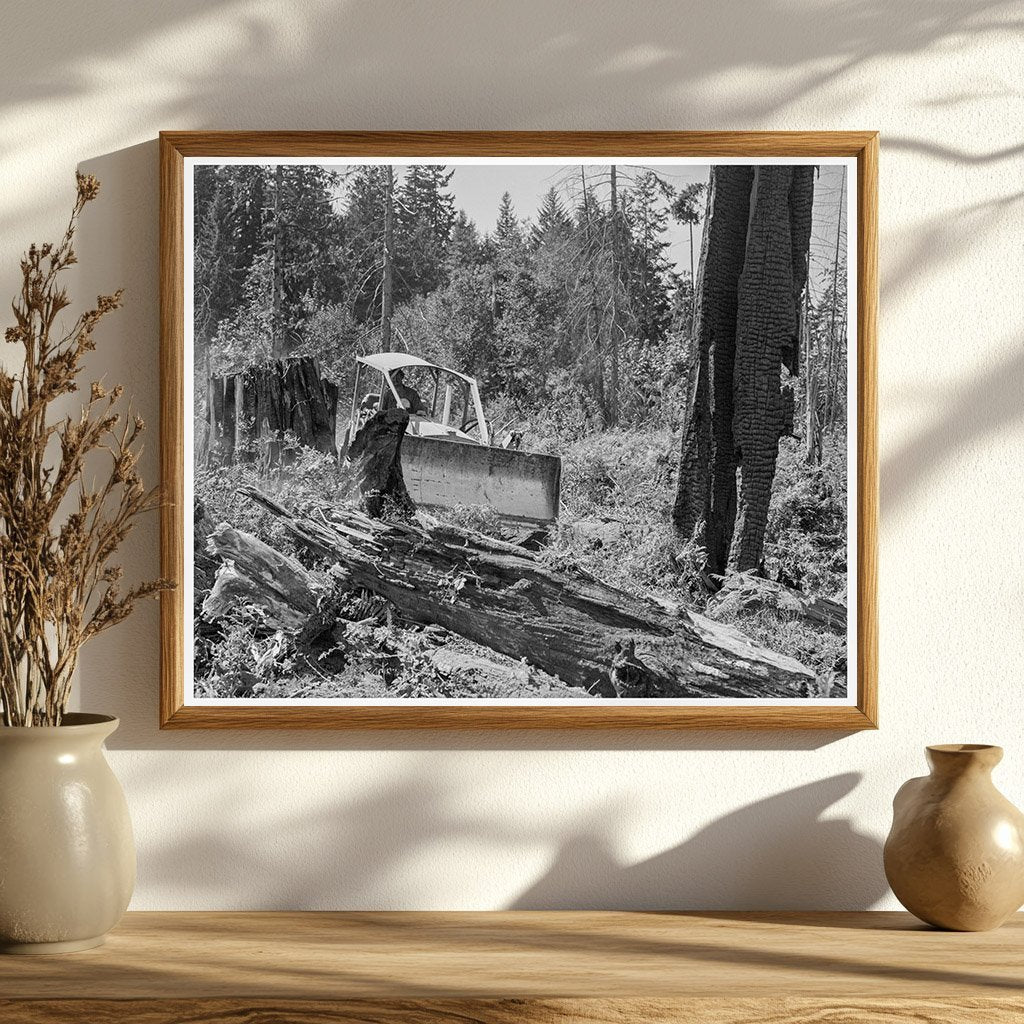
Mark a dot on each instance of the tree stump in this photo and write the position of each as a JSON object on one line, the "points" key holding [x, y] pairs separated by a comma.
{"points": [[269, 401], [376, 456]]}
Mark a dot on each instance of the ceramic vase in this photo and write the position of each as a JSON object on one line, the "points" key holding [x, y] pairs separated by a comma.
{"points": [[955, 854], [67, 855]]}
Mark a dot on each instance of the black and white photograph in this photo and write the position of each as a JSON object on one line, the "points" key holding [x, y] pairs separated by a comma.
{"points": [[520, 431]]}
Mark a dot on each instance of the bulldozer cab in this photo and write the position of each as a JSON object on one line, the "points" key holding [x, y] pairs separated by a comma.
{"points": [[443, 404], [447, 458]]}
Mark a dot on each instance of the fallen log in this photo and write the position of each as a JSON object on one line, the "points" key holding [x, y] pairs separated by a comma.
{"points": [[565, 623], [254, 573], [744, 592]]}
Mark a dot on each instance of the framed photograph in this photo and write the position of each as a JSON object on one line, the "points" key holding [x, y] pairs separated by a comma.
{"points": [[519, 430]]}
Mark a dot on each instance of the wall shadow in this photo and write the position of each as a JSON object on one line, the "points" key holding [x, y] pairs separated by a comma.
{"points": [[130, 70], [777, 853], [321, 64], [990, 404], [951, 154], [941, 241]]}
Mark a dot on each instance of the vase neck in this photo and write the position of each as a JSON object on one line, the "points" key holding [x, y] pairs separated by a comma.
{"points": [[952, 760], [75, 729]]}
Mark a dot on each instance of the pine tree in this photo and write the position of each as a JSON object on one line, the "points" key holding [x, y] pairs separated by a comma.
{"points": [[229, 213], [553, 244], [308, 236], [513, 308], [425, 215], [647, 216], [508, 233], [423, 198], [688, 209], [553, 222], [363, 235], [464, 246], [255, 213]]}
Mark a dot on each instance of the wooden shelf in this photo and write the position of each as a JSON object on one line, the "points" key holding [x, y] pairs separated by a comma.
{"points": [[416, 968]]}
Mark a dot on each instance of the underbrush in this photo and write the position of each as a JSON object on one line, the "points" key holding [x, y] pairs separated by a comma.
{"points": [[618, 488], [614, 523], [805, 544], [478, 518], [309, 475], [370, 655]]}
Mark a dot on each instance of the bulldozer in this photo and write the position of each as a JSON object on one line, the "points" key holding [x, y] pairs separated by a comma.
{"points": [[449, 456]]}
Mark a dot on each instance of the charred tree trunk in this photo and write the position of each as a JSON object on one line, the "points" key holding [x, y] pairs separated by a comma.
{"points": [[705, 505], [767, 338], [752, 273], [376, 454], [564, 623]]}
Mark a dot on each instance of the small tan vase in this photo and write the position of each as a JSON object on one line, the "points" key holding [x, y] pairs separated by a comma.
{"points": [[955, 854], [67, 856]]}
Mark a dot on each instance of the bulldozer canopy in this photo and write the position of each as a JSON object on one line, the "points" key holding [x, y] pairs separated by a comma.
{"points": [[387, 362]]}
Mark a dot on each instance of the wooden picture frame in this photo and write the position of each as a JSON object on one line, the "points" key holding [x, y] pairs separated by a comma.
{"points": [[176, 147]]}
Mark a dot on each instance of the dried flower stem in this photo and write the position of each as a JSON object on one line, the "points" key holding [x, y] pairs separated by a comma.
{"points": [[57, 586]]}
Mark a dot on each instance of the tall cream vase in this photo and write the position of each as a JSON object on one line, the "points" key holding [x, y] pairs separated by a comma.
{"points": [[67, 855]]}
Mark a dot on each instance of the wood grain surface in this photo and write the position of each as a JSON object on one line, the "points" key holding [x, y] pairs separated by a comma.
{"points": [[176, 146], [523, 966], [516, 1011], [526, 954]]}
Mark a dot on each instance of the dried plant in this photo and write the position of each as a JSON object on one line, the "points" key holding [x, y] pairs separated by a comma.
{"points": [[58, 588]]}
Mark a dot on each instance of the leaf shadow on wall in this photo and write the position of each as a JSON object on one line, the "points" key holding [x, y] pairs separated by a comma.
{"points": [[939, 243], [319, 64], [401, 843], [992, 403], [322, 64], [778, 853]]}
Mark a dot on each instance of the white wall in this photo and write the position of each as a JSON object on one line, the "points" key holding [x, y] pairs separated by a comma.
{"points": [[360, 820]]}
